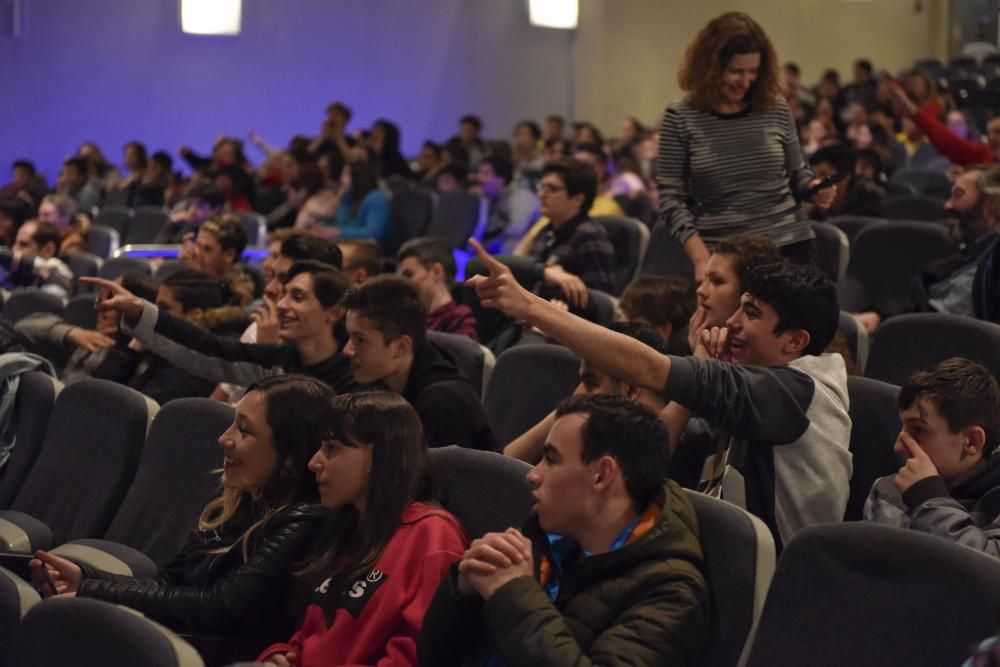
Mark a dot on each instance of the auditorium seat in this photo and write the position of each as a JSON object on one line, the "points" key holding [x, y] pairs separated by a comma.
{"points": [[103, 241], [82, 264], [529, 381], [36, 394], [832, 250], [256, 227], [874, 429], [630, 239], [114, 217], [910, 343], [145, 225], [17, 597], [87, 461], [852, 224], [865, 595], [174, 480], [858, 341], [885, 261], [488, 492], [116, 266], [80, 311], [914, 207], [474, 360], [665, 256], [739, 563], [77, 631], [409, 215], [923, 180], [489, 321], [455, 217], [30, 300]]}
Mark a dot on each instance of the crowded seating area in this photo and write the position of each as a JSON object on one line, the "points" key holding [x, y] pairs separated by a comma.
{"points": [[716, 388]]}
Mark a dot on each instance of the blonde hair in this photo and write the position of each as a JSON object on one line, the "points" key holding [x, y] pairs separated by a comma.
{"points": [[706, 58]]}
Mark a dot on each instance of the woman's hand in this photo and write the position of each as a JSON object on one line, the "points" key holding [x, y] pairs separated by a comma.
{"points": [[88, 340], [823, 198], [116, 298], [65, 575]]}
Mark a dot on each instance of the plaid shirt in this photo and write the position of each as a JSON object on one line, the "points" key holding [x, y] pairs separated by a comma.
{"points": [[582, 248]]}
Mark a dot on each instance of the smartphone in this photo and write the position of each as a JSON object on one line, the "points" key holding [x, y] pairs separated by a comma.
{"points": [[19, 564], [825, 183]]}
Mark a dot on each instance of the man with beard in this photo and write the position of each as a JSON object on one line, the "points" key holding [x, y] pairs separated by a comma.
{"points": [[969, 282]]}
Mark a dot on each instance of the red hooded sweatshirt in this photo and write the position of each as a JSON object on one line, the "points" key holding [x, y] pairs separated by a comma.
{"points": [[376, 621]]}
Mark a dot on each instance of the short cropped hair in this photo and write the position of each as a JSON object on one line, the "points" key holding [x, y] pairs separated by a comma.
{"points": [[367, 255], [45, 233], [628, 432], [27, 165], [228, 229], [393, 306], [78, 163], [660, 301], [964, 392], [839, 156], [209, 194], [532, 126], [301, 246], [802, 297], [163, 159], [578, 177], [342, 109], [63, 203], [747, 251], [429, 252], [329, 284], [473, 120], [502, 167]]}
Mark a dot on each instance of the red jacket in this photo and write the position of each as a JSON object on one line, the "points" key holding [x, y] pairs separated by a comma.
{"points": [[960, 151], [453, 318], [376, 621]]}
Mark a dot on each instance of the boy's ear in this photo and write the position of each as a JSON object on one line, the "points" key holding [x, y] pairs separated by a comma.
{"points": [[798, 340], [975, 440]]}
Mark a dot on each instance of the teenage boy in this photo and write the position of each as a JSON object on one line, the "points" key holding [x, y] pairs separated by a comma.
{"points": [[430, 267], [608, 571], [949, 484], [387, 344], [777, 404]]}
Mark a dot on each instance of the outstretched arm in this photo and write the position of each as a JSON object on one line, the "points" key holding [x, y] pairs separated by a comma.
{"points": [[620, 355]]}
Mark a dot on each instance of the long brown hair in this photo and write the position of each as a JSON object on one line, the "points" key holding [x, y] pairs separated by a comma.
{"points": [[706, 58], [400, 475], [297, 414]]}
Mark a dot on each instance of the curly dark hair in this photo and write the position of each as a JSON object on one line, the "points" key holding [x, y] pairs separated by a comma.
{"points": [[706, 58]]}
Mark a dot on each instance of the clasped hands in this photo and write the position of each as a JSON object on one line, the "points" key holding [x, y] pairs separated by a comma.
{"points": [[493, 560]]}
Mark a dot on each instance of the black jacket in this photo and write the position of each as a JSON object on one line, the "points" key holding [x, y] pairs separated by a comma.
{"points": [[449, 408], [206, 591]]}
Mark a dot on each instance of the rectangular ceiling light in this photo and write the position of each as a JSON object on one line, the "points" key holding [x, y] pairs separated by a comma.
{"points": [[211, 17], [554, 13]]}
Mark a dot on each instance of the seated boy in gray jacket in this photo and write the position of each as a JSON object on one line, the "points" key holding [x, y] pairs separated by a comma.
{"points": [[949, 484]]}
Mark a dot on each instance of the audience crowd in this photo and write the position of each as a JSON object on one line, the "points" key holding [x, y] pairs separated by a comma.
{"points": [[726, 374]]}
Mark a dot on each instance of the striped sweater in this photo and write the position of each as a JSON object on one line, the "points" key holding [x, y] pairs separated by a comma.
{"points": [[735, 173]]}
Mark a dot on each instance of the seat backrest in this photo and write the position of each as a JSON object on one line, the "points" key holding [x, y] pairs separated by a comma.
{"points": [[255, 225], [465, 353], [167, 269], [146, 223], [852, 224], [175, 477], [99, 633], [410, 213], [528, 382], [24, 302], [103, 241], [914, 207], [114, 217], [874, 428], [82, 264], [16, 598], [455, 217], [36, 394], [857, 594], [665, 256], [602, 308], [832, 250], [487, 491], [925, 153], [739, 563], [885, 260], [856, 336], [116, 266], [630, 239], [80, 311], [924, 180], [909, 343], [490, 321], [88, 458]]}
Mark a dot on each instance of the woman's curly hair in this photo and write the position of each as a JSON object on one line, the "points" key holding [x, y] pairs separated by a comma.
{"points": [[706, 58]]}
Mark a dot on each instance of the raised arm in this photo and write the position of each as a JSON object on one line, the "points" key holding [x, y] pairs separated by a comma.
{"points": [[619, 355]]}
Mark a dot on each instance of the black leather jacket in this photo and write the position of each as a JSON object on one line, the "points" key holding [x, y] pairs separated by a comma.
{"points": [[203, 591]]}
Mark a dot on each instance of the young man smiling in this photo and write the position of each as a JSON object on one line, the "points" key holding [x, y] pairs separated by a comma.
{"points": [[608, 571], [949, 484], [387, 344], [777, 405]]}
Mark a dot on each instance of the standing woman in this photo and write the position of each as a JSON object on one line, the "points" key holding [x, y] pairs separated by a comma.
{"points": [[729, 158]]}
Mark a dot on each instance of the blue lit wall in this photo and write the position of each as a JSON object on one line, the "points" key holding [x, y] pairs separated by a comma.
{"points": [[116, 70]]}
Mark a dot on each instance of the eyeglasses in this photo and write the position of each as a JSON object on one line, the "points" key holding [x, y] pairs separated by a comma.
{"points": [[550, 188]]}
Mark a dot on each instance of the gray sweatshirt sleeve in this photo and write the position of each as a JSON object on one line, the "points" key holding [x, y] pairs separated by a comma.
{"points": [[752, 402], [41, 328], [934, 511]]}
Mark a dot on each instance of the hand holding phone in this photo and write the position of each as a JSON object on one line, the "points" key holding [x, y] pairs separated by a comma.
{"points": [[825, 183]]}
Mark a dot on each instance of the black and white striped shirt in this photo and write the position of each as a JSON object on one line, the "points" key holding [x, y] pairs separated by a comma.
{"points": [[732, 174]]}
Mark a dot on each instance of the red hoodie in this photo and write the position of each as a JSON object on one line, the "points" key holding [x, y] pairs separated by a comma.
{"points": [[376, 621]]}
